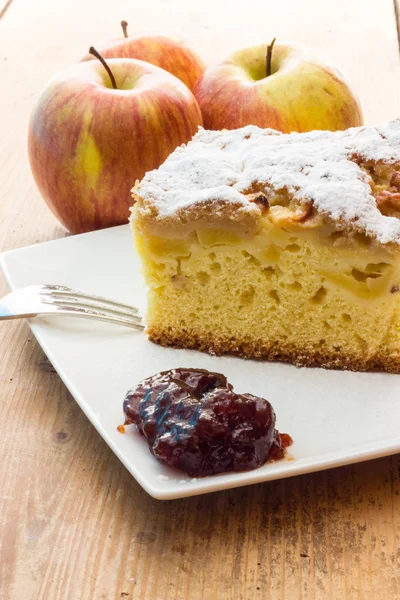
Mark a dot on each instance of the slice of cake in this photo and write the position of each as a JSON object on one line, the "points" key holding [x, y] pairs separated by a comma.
{"points": [[277, 247]]}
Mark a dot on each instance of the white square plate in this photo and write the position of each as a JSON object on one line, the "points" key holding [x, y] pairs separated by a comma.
{"points": [[334, 417]]}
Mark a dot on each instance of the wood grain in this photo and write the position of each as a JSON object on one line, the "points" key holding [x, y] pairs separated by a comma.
{"points": [[4, 6], [73, 523], [396, 9]]}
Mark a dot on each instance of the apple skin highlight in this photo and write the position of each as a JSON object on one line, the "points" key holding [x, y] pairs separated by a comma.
{"points": [[303, 92], [89, 143]]}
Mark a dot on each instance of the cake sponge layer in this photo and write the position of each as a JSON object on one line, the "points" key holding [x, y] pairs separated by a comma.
{"points": [[294, 299]]}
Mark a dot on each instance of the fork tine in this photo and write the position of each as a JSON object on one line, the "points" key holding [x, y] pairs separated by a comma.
{"points": [[63, 303], [72, 311], [77, 302], [61, 290], [37, 300]]}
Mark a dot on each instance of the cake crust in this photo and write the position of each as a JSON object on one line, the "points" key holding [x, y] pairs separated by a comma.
{"points": [[278, 352]]}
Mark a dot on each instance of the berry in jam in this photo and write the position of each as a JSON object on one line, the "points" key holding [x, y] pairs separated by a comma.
{"points": [[193, 420]]}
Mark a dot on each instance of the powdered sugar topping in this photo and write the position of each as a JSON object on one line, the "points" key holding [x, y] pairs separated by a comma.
{"points": [[318, 166]]}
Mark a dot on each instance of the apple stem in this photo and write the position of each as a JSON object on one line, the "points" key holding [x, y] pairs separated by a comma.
{"points": [[94, 52], [269, 57], [124, 25]]}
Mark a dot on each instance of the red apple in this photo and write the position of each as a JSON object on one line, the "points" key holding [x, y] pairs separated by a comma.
{"points": [[88, 143], [284, 86], [167, 52]]}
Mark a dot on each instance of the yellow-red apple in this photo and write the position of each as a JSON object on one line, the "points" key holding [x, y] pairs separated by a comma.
{"points": [[167, 52], [88, 143], [296, 90]]}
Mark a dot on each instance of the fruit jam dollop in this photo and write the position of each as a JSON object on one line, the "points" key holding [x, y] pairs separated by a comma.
{"points": [[194, 421]]}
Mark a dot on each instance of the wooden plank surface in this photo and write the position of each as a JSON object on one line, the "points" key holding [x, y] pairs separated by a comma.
{"points": [[396, 8], [73, 523], [4, 6]]}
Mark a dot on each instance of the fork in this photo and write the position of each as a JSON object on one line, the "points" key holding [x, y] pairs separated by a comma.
{"points": [[37, 300]]}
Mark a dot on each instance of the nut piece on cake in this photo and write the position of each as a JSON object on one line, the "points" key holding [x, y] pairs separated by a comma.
{"points": [[276, 246]]}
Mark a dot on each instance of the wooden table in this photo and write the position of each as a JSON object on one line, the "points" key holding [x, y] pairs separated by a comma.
{"points": [[73, 522]]}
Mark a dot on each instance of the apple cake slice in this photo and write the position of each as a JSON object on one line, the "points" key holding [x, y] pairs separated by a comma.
{"points": [[276, 246]]}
